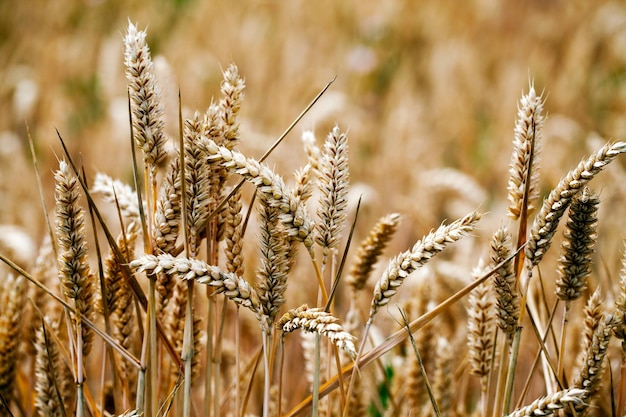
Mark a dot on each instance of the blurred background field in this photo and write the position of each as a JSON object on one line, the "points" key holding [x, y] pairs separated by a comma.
{"points": [[420, 86]]}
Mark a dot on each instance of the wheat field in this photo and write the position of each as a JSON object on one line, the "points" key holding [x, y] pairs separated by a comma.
{"points": [[342, 209]]}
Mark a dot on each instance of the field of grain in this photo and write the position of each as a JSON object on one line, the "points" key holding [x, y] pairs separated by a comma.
{"points": [[256, 280]]}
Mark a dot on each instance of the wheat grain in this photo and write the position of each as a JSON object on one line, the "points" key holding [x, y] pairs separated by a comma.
{"points": [[317, 320], [167, 215], [407, 262], [548, 405], [526, 148], [547, 220]]}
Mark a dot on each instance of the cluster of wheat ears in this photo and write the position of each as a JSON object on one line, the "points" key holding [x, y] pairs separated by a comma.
{"points": [[163, 318]]}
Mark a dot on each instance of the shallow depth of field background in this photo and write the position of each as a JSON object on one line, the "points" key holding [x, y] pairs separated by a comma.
{"points": [[428, 92]]}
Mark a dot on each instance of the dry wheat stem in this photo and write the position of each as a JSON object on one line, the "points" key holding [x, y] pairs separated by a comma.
{"points": [[318, 321], [405, 263], [548, 405]]}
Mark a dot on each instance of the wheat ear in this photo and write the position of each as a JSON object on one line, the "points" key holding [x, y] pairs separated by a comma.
{"points": [[524, 164], [12, 303], [235, 288], [232, 90], [547, 220], [481, 328], [272, 187], [47, 395], [548, 405], [116, 192], [145, 98], [333, 185], [370, 250], [318, 321], [507, 294], [407, 262]]}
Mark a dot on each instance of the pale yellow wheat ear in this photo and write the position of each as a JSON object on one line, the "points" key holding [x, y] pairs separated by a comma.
{"points": [[74, 273], [407, 262], [333, 185], [117, 192], [145, 98], [318, 321], [546, 406], [12, 307], [47, 401], [481, 330], [507, 293], [232, 90], [271, 187], [547, 220], [524, 164]]}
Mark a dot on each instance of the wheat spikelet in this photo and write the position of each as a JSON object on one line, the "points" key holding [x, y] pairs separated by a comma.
{"points": [[313, 152], [547, 220], [407, 262], [504, 282], [235, 288], [481, 328], [580, 237], [317, 320], [12, 304], [74, 271], [304, 183], [275, 263], [232, 89], [116, 192], [526, 147], [548, 405], [333, 185], [370, 250], [46, 397], [272, 188], [145, 98]]}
